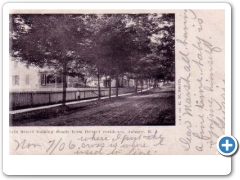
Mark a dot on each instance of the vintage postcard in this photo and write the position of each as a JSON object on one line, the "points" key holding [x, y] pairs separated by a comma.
{"points": [[117, 81]]}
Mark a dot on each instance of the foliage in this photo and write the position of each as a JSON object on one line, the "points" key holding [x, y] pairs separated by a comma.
{"points": [[137, 45]]}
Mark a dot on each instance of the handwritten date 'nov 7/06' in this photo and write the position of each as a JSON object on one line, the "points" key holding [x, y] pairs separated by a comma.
{"points": [[96, 145]]}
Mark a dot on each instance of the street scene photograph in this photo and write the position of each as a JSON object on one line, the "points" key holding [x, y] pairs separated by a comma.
{"points": [[113, 69]]}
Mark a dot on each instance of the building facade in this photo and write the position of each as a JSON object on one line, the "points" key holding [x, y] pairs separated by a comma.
{"points": [[23, 78], [105, 82]]}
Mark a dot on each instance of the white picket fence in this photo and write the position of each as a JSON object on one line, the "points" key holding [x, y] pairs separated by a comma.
{"points": [[19, 100]]}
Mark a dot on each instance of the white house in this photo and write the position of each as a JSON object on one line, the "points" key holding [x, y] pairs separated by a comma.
{"points": [[23, 78]]}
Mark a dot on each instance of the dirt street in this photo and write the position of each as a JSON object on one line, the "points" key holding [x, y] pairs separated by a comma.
{"points": [[155, 107]]}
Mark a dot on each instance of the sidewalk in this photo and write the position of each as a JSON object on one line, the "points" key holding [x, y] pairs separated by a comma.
{"points": [[13, 112]]}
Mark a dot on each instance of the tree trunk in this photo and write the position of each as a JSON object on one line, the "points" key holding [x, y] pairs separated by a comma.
{"points": [[122, 81], [155, 83], [147, 84], [99, 89], [136, 85], [117, 84], [110, 88], [141, 85], [64, 77]]}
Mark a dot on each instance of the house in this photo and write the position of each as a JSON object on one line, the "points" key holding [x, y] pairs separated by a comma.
{"points": [[24, 78], [21, 77]]}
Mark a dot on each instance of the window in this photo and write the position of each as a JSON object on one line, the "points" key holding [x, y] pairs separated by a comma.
{"points": [[43, 79], [50, 79], [27, 79], [16, 80]]}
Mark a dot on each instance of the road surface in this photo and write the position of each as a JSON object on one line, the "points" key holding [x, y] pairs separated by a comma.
{"points": [[155, 107]]}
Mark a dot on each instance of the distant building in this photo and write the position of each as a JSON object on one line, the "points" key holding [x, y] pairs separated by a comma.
{"points": [[105, 82]]}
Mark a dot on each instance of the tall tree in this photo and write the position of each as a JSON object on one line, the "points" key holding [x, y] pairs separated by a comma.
{"points": [[163, 46], [48, 40], [120, 43]]}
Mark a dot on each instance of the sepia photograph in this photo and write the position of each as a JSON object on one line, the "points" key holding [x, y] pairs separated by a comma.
{"points": [[92, 69]]}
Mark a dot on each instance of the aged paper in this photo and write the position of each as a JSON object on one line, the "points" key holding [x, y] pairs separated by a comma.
{"points": [[199, 101]]}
